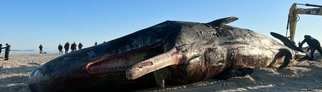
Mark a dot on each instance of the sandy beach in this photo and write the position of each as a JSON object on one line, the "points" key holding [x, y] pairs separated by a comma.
{"points": [[299, 76], [14, 72]]}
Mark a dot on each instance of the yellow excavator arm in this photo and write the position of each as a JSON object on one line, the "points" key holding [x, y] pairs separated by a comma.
{"points": [[293, 16]]}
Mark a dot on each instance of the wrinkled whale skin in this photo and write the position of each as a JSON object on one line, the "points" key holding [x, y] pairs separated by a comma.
{"points": [[197, 51]]}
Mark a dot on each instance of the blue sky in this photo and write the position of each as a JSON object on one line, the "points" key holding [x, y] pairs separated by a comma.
{"points": [[27, 23]]}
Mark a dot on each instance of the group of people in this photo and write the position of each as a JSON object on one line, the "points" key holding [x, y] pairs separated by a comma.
{"points": [[72, 46], [7, 49], [66, 47]]}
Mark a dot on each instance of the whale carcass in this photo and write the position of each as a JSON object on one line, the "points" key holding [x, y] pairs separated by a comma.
{"points": [[172, 52]]}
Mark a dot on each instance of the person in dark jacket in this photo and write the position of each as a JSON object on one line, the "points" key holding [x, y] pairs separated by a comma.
{"points": [[66, 46], [1, 48], [80, 46], [60, 48], [313, 45], [73, 47], [7, 49], [40, 49]]}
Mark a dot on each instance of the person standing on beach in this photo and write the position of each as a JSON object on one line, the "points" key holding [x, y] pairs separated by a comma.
{"points": [[60, 48], [0, 48], [73, 47], [40, 49], [66, 46], [7, 49], [80, 46]]}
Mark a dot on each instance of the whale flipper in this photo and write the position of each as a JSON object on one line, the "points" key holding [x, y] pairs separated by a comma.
{"points": [[286, 41]]}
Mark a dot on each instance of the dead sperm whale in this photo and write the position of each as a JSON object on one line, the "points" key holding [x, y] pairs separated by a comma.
{"points": [[172, 52]]}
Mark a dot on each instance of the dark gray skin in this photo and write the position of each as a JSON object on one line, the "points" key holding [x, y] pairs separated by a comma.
{"points": [[172, 52]]}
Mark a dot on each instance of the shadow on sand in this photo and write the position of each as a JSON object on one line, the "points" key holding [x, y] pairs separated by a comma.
{"points": [[15, 79]]}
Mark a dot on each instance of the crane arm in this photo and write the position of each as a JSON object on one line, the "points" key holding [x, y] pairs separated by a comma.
{"points": [[293, 16]]}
